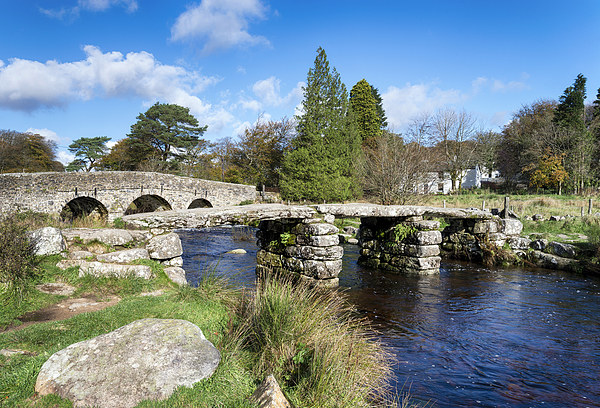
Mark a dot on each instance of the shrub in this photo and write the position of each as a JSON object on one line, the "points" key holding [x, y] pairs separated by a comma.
{"points": [[313, 342], [17, 259]]}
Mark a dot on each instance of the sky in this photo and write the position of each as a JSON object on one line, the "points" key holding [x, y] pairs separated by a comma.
{"points": [[87, 68]]}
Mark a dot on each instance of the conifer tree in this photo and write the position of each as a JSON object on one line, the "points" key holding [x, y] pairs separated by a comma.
{"points": [[570, 117], [379, 106], [364, 108], [319, 166]]}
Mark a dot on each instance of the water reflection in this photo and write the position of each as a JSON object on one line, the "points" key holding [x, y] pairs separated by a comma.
{"points": [[470, 336]]}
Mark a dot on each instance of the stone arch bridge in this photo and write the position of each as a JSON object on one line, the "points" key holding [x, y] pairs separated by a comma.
{"points": [[114, 194]]}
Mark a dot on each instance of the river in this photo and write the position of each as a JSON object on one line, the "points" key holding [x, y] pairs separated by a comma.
{"points": [[468, 337]]}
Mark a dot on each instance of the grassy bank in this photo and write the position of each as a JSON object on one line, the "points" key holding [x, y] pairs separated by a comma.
{"points": [[522, 204], [320, 352]]}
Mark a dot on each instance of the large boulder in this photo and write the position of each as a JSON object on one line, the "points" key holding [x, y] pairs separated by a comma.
{"points": [[99, 269], [125, 256], [561, 249], [47, 241], [165, 246], [108, 236], [176, 274], [144, 360]]}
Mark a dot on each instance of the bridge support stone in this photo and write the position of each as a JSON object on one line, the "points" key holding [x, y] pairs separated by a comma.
{"points": [[306, 249], [400, 244]]}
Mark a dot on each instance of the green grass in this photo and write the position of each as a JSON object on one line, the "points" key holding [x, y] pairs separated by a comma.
{"points": [[522, 204], [321, 353]]}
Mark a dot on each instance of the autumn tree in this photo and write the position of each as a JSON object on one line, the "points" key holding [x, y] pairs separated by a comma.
{"points": [[261, 149], [524, 139], [548, 171], [320, 165], [88, 152], [363, 107], [27, 152]]}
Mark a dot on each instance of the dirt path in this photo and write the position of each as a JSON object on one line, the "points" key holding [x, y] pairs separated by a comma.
{"points": [[64, 310]]}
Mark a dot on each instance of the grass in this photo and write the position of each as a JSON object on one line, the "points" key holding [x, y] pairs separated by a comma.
{"points": [[522, 204], [314, 344], [322, 354]]}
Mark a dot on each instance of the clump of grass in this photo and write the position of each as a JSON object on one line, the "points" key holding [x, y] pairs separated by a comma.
{"points": [[18, 264], [313, 342]]}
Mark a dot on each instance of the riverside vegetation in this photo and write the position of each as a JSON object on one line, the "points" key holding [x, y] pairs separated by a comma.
{"points": [[321, 352]]}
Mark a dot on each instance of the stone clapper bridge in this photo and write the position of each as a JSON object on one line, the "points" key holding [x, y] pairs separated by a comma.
{"points": [[302, 240]]}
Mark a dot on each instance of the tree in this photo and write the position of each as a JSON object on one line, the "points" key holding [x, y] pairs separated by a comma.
{"points": [[548, 171], [164, 131], [453, 133], [319, 166], [88, 151], [570, 117], [120, 157], [487, 146], [261, 149], [394, 171], [27, 152], [379, 107], [524, 139], [364, 108]]}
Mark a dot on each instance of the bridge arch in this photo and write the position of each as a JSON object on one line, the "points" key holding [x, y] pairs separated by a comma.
{"points": [[82, 207], [200, 203], [148, 203]]}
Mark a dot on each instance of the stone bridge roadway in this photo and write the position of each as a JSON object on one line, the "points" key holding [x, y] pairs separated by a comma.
{"points": [[209, 217], [113, 194], [302, 240]]}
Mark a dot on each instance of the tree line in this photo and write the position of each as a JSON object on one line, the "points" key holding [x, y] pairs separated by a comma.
{"points": [[340, 147]]}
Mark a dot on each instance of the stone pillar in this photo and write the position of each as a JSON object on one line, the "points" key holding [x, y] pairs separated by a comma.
{"points": [[400, 244], [307, 249]]}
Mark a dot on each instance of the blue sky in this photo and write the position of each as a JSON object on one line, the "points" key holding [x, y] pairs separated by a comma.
{"points": [[86, 68]]}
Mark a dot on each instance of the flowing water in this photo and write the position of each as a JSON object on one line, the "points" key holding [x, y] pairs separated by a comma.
{"points": [[468, 337]]}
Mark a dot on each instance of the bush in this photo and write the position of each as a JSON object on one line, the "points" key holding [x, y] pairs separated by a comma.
{"points": [[17, 259], [314, 344]]}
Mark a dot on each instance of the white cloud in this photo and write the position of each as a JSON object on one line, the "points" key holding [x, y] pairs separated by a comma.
{"points": [[47, 133], [220, 23], [403, 104], [103, 5], [268, 94], [65, 157], [30, 85], [89, 5], [497, 85]]}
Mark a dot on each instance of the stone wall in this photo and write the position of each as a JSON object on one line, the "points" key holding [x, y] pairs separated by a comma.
{"points": [[400, 244], [307, 249], [115, 190]]}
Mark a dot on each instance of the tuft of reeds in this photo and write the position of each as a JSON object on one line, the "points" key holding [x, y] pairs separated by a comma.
{"points": [[314, 343]]}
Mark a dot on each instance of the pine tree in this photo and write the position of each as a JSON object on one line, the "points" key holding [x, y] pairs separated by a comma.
{"points": [[379, 106], [319, 166], [364, 108], [570, 117]]}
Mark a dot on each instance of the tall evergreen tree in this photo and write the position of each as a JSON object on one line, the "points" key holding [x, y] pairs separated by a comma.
{"points": [[364, 108], [379, 106], [570, 116], [319, 166]]}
